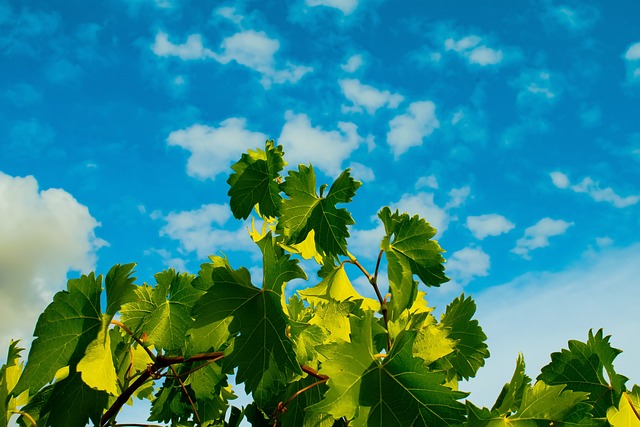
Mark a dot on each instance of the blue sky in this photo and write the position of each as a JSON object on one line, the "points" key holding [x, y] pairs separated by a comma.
{"points": [[514, 129]]}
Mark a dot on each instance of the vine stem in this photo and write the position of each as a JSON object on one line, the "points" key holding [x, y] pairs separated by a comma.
{"points": [[160, 363], [373, 280], [27, 416], [136, 339], [282, 407]]}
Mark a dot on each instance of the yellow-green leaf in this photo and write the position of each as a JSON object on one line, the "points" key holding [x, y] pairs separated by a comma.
{"points": [[96, 367]]}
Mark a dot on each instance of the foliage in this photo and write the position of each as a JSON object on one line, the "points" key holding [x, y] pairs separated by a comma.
{"points": [[326, 356]]}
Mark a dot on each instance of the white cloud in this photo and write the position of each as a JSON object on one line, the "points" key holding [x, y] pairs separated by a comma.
{"points": [[537, 236], [190, 49], [574, 19], [362, 172], [632, 58], [466, 264], [409, 129], [422, 204], [327, 149], [366, 96], [252, 49], [230, 13], [482, 226], [457, 197], [537, 88], [196, 232], [345, 6], [599, 291], [592, 188], [470, 47], [353, 64], [427, 181], [45, 234], [214, 149]]}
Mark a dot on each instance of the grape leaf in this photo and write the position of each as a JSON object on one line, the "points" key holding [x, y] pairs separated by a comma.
{"points": [[627, 412], [398, 391], [96, 367], [296, 414], [471, 349], [336, 286], [9, 376], [262, 352], [278, 267], [255, 182], [67, 403], [63, 332], [163, 313], [581, 369], [409, 250], [305, 211], [119, 287], [510, 397]]}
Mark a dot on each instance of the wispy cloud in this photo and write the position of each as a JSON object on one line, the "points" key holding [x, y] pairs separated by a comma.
{"points": [[592, 188], [45, 234], [409, 129], [345, 6], [474, 50], [367, 97], [596, 292], [537, 236], [327, 149], [468, 263], [213, 149], [482, 226], [252, 49], [632, 59], [575, 19], [353, 64]]}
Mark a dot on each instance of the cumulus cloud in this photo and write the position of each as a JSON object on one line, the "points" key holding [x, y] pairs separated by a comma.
{"points": [[603, 293], [632, 59], [482, 226], [409, 129], [214, 149], [201, 231], [362, 172], [466, 264], [327, 149], [45, 235], [427, 182], [252, 49], [353, 64], [367, 97], [592, 188], [537, 236], [474, 50], [345, 6]]}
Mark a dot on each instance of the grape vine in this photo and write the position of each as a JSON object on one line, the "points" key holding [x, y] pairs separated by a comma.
{"points": [[326, 356]]}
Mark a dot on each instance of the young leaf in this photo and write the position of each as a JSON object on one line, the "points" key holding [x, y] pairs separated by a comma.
{"points": [[63, 332], [255, 182], [510, 397], [262, 352], [163, 313], [305, 211], [398, 391], [278, 267], [628, 412], [96, 367], [409, 250], [9, 375], [471, 349], [581, 369]]}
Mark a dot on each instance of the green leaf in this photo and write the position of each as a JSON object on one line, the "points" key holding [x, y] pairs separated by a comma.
{"points": [[297, 414], [409, 250], [336, 286], [64, 330], [398, 391], [96, 367], [278, 267], [67, 403], [305, 211], [628, 410], [255, 182], [262, 352], [9, 376], [582, 368], [119, 287], [163, 313], [510, 397], [471, 349]]}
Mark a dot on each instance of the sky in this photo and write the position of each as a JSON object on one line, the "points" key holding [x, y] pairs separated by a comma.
{"points": [[512, 127]]}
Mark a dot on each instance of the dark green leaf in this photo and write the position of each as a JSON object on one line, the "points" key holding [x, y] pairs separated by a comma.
{"points": [[119, 287], [278, 267]]}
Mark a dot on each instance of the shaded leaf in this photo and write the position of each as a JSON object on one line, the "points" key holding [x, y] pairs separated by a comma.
{"points": [[278, 267]]}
